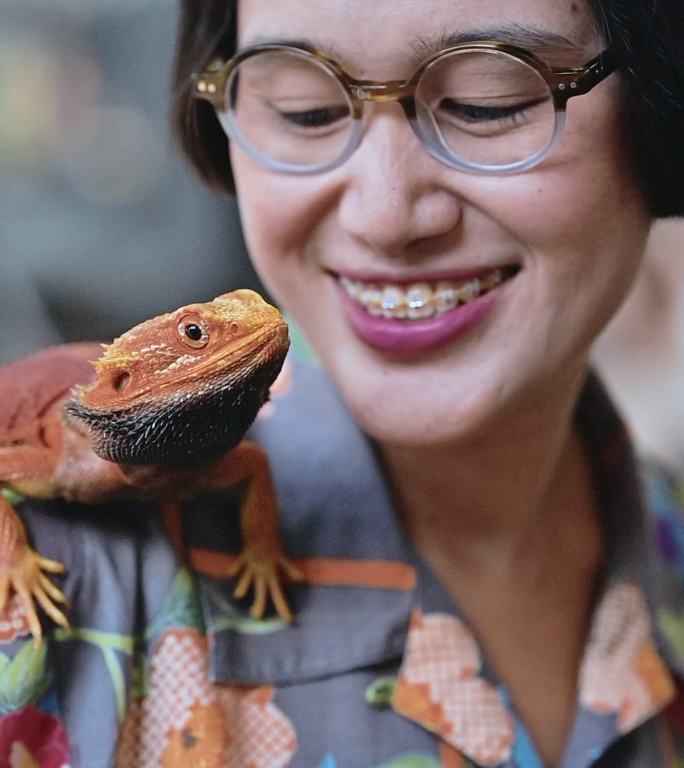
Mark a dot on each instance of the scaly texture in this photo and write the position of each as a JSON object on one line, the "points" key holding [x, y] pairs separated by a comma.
{"points": [[31, 385], [159, 415]]}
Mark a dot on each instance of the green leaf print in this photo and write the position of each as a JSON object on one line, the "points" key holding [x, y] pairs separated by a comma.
{"points": [[249, 626], [111, 645], [229, 616], [379, 693], [11, 496], [23, 679], [410, 760], [181, 607]]}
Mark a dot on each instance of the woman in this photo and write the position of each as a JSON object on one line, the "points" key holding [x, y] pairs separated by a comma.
{"points": [[492, 441], [481, 578]]}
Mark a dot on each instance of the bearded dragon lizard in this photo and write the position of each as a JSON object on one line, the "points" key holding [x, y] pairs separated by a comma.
{"points": [[159, 416]]}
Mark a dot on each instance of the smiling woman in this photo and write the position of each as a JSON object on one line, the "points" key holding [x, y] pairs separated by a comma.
{"points": [[450, 199]]}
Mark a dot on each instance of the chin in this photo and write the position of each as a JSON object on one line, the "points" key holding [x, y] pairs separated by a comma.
{"points": [[423, 428], [416, 410]]}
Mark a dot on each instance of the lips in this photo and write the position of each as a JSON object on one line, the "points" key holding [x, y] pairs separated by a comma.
{"points": [[401, 317]]}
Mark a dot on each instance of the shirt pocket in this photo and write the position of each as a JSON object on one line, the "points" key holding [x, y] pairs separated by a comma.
{"points": [[337, 628]]}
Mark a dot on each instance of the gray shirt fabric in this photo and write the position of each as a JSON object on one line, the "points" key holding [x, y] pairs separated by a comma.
{"points": [[165, 667]]}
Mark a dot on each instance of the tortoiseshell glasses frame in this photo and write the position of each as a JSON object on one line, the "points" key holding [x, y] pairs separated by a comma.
{"points": [[214, 85]]}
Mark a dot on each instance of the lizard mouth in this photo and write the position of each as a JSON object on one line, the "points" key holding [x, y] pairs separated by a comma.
{"points": [[190, 424]]}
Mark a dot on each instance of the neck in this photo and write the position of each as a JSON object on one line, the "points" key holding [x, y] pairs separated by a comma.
{"points": [[496, 503]]}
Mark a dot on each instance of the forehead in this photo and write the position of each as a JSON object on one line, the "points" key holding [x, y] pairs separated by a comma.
{"points": [[387, 33]]}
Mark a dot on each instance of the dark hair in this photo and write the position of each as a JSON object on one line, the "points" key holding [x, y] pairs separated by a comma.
{"points": [[645, 37]]}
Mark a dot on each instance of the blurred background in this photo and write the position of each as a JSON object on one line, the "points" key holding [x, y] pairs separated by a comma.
{"points": [[102, 224]]}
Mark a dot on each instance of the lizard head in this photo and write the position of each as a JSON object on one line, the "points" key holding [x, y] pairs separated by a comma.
{"points": [[183, 386]]}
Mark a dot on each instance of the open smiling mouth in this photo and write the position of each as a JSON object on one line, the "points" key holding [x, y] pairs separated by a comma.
{"points": [[409, 318], [423, 300]]}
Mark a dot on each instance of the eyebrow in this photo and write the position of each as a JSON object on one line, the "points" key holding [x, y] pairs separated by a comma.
{"points": [[298, 42], [533, 39]]}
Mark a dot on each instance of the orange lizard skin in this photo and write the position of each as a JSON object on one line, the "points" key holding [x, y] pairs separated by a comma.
{"points": [[159, 416]]}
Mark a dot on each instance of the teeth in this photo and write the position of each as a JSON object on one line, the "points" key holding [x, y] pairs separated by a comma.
{"points": [[419, 300], [393, 302], [446, 296], [473, 288], [350, 287], [492, 279]]}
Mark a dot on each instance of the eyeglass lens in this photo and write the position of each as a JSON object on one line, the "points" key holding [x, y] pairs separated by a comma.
{"points": [[483, 107]]}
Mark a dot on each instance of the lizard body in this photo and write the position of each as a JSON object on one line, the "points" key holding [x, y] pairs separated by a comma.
{"points": [[160, 415]]}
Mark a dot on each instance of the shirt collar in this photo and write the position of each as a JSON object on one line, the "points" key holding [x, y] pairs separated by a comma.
{"points": [[623, 680], [335, 504]]}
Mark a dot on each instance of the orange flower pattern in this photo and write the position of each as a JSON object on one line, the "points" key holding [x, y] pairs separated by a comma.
{"points": [[259, 735], [200, 743], [185, 721], [621, 672], [178, 717], [439, 687]]}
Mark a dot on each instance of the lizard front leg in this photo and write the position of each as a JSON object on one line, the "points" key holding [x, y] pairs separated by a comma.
{"points": [[22, 569], [262, 561]]}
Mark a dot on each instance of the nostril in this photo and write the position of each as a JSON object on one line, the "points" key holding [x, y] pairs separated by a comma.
{"points": [[122, 381]]}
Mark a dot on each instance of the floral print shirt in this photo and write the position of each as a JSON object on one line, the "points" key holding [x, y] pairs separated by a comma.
{"points": [[164, 667]]}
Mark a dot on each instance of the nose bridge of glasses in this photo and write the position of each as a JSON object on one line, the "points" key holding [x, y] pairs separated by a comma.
{"points": [[370, 90]]}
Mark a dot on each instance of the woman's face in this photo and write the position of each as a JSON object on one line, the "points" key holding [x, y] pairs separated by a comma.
{"points": [[571, 229]]}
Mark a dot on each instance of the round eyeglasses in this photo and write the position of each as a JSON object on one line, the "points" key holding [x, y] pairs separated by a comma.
{"points": [[484, 107]]}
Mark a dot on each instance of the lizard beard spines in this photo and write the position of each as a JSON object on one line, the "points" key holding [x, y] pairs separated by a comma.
{"points": [[185, 429]]}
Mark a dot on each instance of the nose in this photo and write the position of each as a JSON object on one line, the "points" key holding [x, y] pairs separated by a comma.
{"points": [[395, 195]]}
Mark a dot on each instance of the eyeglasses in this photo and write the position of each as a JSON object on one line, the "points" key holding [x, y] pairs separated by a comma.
{"points": [[484, 107]]}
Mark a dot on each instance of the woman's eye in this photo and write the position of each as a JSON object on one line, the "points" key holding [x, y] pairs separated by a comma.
{"points": [[321, 117], [478, 113]]}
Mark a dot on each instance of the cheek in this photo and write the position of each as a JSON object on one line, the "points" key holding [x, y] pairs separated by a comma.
{"points": [[599, 236], [286, 222], [581, 213], [271, 223], [278, 212], [591, 186], [267, 220]]}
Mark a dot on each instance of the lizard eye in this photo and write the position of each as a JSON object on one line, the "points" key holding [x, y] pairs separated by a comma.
{"points": [[193, 331]]}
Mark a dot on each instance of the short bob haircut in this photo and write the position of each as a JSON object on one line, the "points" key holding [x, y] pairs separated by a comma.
{"points": [[647, 38]]}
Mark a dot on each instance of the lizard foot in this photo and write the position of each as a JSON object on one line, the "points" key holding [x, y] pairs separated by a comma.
{"points": [[262, 572], [26, 577]]}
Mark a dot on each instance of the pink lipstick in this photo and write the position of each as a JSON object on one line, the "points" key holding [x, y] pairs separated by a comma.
{"points": [[399, 336]]}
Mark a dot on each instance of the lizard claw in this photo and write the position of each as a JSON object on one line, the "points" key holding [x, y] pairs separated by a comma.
{"points": [[27, 579], [262, 573]]}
